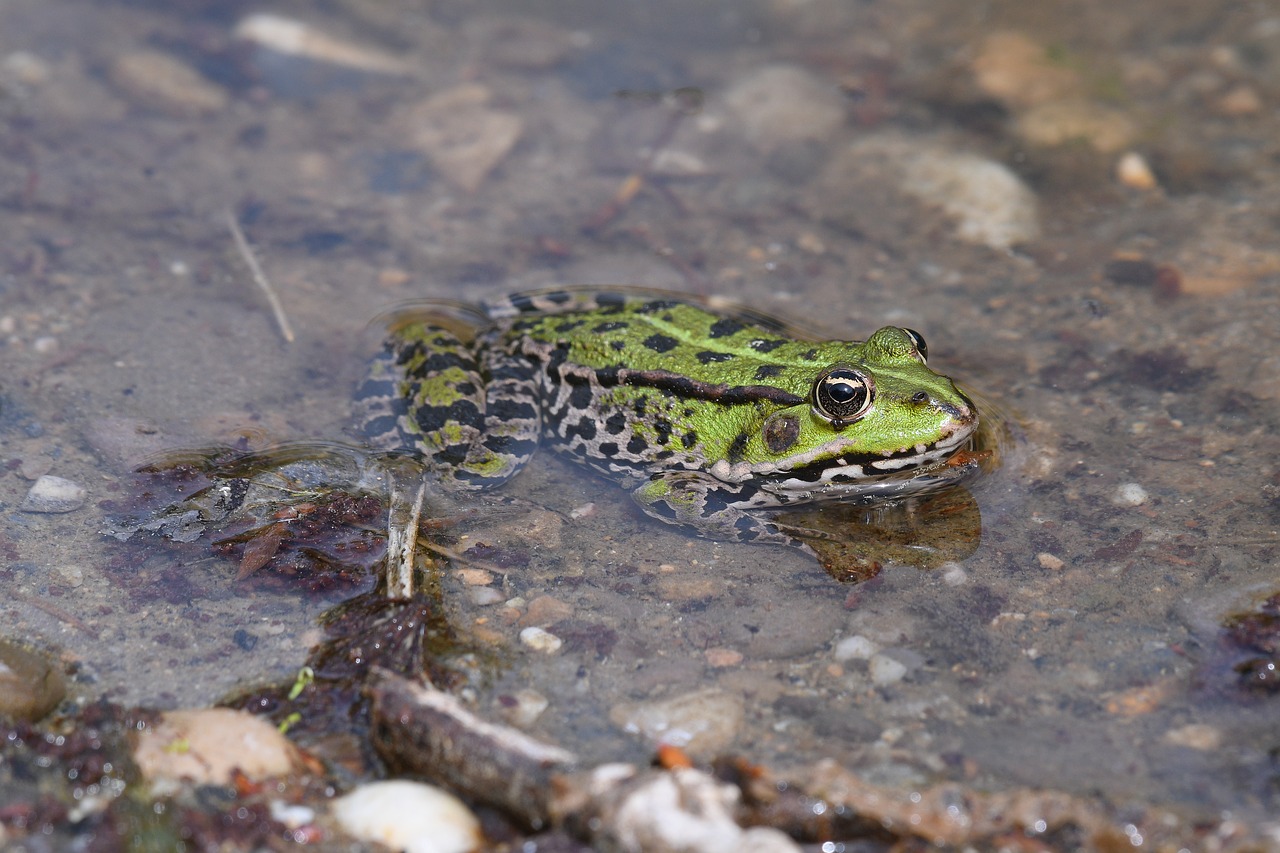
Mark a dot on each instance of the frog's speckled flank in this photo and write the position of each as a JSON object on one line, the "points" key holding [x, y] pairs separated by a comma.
{"points": [[704, 414]]}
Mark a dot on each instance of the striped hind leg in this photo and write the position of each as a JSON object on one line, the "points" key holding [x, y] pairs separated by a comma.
{"points": [[427, 393]]}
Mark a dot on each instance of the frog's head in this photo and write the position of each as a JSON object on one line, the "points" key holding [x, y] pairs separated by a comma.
{"points": [[879, 410]]}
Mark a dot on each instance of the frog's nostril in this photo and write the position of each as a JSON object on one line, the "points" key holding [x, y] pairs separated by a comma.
{"points": [[920, 397]]}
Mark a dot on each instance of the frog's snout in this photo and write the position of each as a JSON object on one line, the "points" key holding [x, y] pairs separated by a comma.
{"points": [[963, 413]]}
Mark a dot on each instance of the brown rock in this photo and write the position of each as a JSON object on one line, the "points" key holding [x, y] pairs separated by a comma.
{"points": [[1018, 71], [30, 686], [208, 745]]}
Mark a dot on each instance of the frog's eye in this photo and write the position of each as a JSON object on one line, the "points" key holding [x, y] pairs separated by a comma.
{"points": [[917, 341], [841, 395]]}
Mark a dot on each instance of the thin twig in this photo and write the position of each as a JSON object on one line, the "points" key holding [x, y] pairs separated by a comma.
{"points": [[53, 610], [259, 277]]}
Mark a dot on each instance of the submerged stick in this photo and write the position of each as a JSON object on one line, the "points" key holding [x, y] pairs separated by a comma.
{"points": [[420, 730], [259, 277]]}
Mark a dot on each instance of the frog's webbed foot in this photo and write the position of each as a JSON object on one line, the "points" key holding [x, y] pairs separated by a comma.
{"points": [[695, 500]]}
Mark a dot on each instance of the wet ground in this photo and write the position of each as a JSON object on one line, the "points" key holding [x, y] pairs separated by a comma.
{"points": [[1076, 204]]}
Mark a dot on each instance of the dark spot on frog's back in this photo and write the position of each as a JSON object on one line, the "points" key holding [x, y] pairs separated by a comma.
{"points": [[612, 326], [660, 343], [569, 325], [767, 345], [738, 448], [711, 356], [725, 327], [689, 439], [662, 430], [656, 306], [767, 371]]}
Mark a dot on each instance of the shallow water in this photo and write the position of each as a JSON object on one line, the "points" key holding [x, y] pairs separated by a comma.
{"points": [[1130, 342]]}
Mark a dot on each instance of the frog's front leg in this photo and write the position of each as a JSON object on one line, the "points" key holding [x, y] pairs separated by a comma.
{"points": [[702, 502]]}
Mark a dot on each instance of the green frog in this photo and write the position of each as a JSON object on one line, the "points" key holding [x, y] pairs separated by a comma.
{"points": [[710, 416]]}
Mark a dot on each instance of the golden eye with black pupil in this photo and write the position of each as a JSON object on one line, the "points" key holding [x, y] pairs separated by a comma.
{"points": [[917, 341], [841, 395]]}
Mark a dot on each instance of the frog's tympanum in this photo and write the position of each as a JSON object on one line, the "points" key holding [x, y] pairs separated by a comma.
{"points": [[708, 416]]}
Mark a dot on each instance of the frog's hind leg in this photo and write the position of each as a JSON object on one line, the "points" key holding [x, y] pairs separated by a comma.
{"points": [[704, 504], [512, 414], [426, 393]]}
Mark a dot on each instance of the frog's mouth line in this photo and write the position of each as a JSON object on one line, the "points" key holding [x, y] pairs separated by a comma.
{"points": [[863, 466]]}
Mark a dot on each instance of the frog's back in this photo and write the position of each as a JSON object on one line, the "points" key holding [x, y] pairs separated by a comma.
{"points": [[656, 331]]}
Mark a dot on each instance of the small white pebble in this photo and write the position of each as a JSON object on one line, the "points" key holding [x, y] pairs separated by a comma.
{"points": [[179, 269], [409, 816], [1132, 171], [1049, 561], [483, 596], [583, 511], [292, 816], [540, 640], [856, 647], [474, 577], [953, 574], [1196, 736], [885, 670], [73, 575], [45, 344], [1129, 494]]}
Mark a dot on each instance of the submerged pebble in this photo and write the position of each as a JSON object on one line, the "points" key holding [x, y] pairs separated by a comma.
{"points": [[484, 596], [703, 723], [1106, 130], [163, 83], [1129, 494], [783, 104], [1019, 72], [1199, 736], [30, 685], [1133, 171], [886, 670], [523, 708], [856, 647], [879, 184], [540, 640], [462, 136], [409, 816], [53, 495], [126, 442]]}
